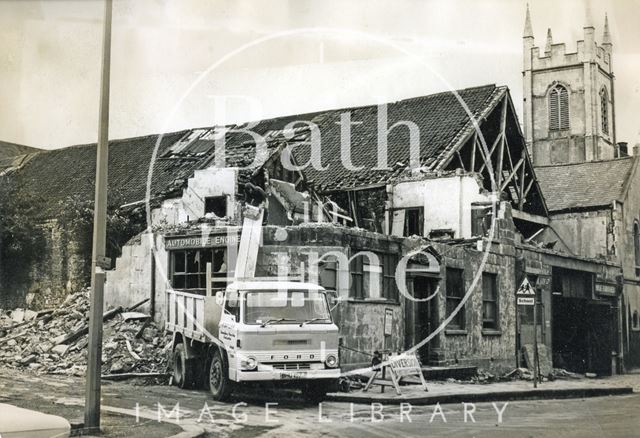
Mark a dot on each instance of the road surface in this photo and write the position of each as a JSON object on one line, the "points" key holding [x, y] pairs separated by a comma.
{"points": [[272, 414]]}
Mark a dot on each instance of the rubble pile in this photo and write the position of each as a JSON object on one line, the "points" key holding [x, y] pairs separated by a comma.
{"points": [[55, 341]]}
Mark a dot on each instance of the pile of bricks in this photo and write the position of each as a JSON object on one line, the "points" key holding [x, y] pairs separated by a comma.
{"points": [[55, 341]]}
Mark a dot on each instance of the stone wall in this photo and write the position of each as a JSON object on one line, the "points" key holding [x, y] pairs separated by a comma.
{"points": [[492, 349], [58, 267]]}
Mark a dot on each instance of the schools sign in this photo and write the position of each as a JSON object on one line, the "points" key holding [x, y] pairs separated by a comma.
{"points": [[526, 294]]}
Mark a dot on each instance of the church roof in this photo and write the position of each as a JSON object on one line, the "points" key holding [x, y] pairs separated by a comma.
{"points": [[584, 186]]}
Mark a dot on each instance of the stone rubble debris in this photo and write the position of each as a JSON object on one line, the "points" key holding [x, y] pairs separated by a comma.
{"points": [[55, 341]]}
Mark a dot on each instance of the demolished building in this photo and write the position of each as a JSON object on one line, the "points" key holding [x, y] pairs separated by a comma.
{"points": [[462, 215]]}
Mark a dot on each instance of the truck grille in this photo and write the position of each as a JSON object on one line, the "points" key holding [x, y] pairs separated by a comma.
{"points": [[290, 366], [291, 342]]}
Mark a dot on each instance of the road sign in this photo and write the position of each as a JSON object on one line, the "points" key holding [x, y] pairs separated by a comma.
{"points": [[388, 322], [399, 366], [526, 289], [526, 301]]}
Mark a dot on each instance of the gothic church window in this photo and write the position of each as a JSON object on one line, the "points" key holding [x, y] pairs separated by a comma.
{"points": [[558, 108], [604, 110]]}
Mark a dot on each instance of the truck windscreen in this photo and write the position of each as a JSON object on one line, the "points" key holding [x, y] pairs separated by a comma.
{"points": [[272, 307]]}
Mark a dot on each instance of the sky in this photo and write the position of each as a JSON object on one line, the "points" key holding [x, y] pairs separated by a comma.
{"points": [[190, 63]]}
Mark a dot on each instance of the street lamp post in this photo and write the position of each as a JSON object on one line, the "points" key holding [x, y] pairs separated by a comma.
{"points": [[98, 257]]}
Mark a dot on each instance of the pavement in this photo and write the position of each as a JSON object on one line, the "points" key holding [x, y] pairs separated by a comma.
{"points": [[455, 392]]}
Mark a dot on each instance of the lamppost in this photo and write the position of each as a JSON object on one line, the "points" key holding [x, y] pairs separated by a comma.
{"points": [[98, 257]]}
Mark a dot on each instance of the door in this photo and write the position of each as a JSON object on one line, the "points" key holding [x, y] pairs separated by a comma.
{"points": [[423, 288], [600, 333], [582, 335]]}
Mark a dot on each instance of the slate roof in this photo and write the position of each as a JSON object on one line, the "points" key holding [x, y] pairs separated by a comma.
{"points": [[70, 172], [441, 119], [581, 186], [12, 152]]}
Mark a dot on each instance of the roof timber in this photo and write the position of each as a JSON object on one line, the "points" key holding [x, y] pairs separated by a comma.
{"points": [[504, 151]]}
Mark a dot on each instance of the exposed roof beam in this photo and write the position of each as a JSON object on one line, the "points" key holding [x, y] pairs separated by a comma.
{"points": [[534, 218]]}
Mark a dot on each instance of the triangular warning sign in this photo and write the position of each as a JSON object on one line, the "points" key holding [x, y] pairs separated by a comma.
{"points": [[525, 288]]}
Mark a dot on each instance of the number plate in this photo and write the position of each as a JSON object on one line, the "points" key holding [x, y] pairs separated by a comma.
{"points": [[293, 375]]}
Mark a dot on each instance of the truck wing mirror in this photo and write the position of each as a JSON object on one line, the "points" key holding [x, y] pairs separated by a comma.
{"points": [[219, 298]]}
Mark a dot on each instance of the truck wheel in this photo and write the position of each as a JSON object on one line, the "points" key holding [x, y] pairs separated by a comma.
{"points": [[183, 372], [219, 383], [315, 391]]}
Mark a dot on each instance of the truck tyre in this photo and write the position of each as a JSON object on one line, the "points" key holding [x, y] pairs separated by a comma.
{"points": [[315, 391], [183, 371], [219, 383]]}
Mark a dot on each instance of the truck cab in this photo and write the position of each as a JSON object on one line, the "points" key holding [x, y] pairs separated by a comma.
{"points": [[258, 330]]}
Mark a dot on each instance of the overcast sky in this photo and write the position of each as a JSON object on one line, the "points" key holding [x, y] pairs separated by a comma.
{"points": [[50, 55]]}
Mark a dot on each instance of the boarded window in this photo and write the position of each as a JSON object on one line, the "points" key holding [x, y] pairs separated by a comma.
{"points": [[455, 293], [558, 108], [604, 111], [489, 301]]}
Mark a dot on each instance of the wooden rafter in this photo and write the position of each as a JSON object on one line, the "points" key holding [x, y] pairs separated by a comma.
{"points": [[507, 156], [521, 191], [474, 146], [503, 125], [514, 170]]}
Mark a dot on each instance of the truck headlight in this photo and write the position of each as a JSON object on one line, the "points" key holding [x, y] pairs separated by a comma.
{"points": [[248, 363], [331, 361]]}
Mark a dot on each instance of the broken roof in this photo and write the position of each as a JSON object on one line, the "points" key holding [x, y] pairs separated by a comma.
{"points": [[588, 185], [442, 120], [286, 192]]}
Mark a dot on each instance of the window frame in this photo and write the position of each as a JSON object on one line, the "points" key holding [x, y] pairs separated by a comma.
{"points": [[200, 275], [495, 301], [560, 114], [420, 221], [604, 111], [458, 323], [358, 278]]}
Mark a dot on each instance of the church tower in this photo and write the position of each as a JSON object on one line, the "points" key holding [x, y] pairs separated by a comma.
{"points": [[568, 98]]}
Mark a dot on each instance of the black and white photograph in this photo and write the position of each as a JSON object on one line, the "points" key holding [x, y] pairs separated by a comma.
{"points": [[319, 218]]}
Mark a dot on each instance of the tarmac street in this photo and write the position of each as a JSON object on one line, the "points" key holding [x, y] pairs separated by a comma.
{"points": [[151, 410]]}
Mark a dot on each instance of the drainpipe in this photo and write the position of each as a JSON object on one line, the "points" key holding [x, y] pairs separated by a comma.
{"points": [[619, 341], [152, 297]]}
